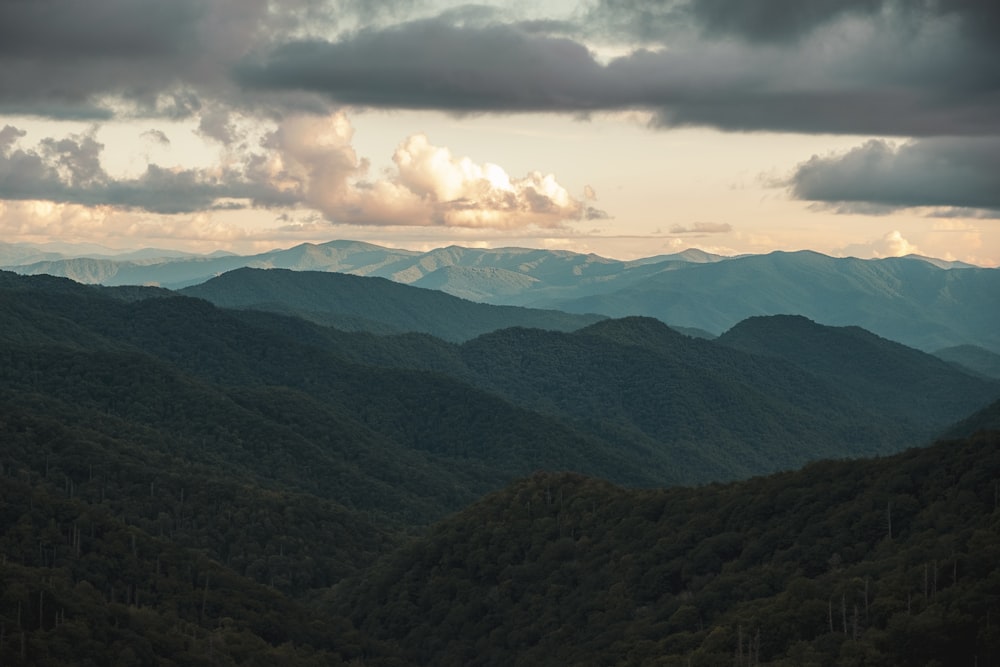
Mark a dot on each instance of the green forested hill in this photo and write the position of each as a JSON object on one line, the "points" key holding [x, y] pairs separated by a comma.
{"points": [[886, 562], [903, 382], [182, 484], [373, 304]]}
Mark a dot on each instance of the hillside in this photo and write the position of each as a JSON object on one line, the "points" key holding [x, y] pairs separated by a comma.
{"points": [[905, 383], [706, 407], [186, 484], [372, 304], [282, 407], [891, 561]]}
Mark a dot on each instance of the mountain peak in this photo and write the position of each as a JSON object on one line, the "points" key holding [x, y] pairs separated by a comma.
{"points": [[635, 330]]}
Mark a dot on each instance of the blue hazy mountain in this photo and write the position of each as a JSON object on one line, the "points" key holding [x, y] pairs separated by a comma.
{"points": [[922, 302], [904, 299], [972, 358]]}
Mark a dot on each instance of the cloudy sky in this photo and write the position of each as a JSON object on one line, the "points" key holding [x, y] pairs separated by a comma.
{"points": [[627, 128]]}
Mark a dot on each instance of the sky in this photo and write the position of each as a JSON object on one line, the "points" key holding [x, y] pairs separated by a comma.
{"points": [[625, 128]]}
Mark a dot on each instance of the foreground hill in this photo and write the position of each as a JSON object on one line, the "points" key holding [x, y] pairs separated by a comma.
{"points": [[903, 382], [887, 562], [373, 304]]}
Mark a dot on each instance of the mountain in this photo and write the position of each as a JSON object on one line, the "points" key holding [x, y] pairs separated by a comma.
{"points": [[986, 419], [972, 358], [489, 273], [889, 561], [693, 410], [374, 304], [712, 410], [921, 302], [907, 300], [903, 382], [215, 386], [186, 484]]}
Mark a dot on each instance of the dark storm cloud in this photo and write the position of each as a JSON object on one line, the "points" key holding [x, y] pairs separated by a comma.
{"points": [[434, 64], [937, 172], [918, 84], [59, 58], [780, 21]]}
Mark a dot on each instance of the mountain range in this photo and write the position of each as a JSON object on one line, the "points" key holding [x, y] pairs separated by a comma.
{"points": [[187, 483], [921, 302]]}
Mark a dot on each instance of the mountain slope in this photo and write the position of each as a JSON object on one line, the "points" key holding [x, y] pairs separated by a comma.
{"points": [[395, 424], [902, 382], [342, 300], [890, 561], [719, 411]]}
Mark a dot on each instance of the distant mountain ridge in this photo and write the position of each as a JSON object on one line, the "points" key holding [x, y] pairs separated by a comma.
{"points": [[921, 302], [355, 303]]}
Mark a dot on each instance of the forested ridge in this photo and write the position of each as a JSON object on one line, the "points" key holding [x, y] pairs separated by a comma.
{"points": [[891, 562], [183, 484]]}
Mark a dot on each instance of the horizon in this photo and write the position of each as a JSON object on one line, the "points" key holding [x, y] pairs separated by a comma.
{"points": [[867, 131], [69, 251]]}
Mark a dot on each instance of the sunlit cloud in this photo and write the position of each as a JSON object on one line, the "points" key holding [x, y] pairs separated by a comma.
{"points": [[892, 244]]}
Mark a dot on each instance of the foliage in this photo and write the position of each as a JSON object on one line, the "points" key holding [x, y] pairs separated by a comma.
{"points": [[885, 562]]}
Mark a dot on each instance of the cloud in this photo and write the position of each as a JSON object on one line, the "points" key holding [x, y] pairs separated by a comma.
{"points": [[879, 67], [922, 78], [306, 161], [156, 136], [932, 172], [703, 228], [69, 170], [780, 21], [70, 59], [891, 245], [433, 187]]}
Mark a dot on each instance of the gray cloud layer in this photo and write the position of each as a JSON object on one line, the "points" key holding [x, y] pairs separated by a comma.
{"points": [[921, 81], [909, 68], [939, 172]]}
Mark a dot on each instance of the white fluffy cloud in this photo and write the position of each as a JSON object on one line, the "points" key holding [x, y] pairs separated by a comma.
{"points": [[305, 161]]}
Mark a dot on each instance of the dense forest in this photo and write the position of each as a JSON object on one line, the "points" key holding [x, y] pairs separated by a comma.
{"points": [[883, 562], [183, 484]]}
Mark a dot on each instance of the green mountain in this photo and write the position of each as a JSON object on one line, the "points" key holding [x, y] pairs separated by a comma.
{"points": [[184, 484], [372, 304], [902, 382], [253, 386], [714, 412], [884, 562], [690, 409], [986, 419]]}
